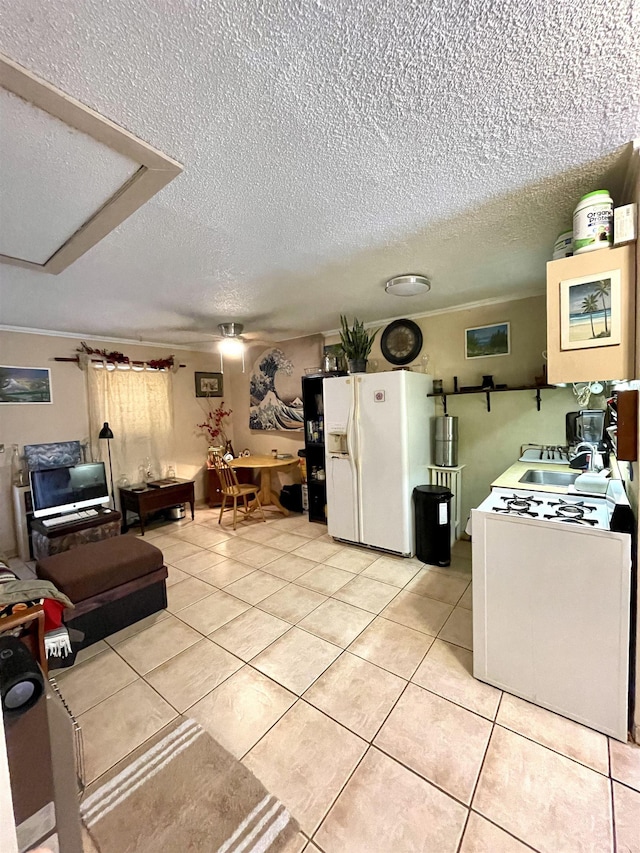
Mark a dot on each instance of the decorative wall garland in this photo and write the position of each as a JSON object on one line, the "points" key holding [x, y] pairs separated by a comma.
{"points": [[120, 358]]}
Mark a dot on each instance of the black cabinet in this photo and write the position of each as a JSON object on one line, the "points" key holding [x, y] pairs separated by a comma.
{"points": [[314, 445], [312, 400]]}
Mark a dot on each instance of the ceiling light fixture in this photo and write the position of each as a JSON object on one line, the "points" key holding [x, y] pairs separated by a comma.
{"points": [[408, 284]]}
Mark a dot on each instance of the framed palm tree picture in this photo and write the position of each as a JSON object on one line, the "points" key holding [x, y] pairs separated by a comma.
{"points": [[590, 311]]}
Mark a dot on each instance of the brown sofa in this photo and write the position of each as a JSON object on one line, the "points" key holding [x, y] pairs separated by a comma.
{"points": [[112, 583]]}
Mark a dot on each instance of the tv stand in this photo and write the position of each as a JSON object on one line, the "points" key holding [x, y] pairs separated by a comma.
{"points": [[61, 537]]}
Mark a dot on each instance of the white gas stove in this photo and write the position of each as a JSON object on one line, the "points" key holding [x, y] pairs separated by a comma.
{"points": [[576, 510], [551, 601]]}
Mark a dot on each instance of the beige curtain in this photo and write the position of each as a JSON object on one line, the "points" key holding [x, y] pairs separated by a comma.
{"points": [[138, 406]]}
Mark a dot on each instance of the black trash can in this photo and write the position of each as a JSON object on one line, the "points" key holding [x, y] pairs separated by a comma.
{"points": [[433, 524]]}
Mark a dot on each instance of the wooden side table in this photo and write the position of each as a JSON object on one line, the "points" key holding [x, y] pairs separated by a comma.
{"points": [[143, 500]]}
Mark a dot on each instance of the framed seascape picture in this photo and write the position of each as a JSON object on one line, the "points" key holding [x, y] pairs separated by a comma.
{"points": [[487, 341], [590, 311], [209, 384], [25, 385]]}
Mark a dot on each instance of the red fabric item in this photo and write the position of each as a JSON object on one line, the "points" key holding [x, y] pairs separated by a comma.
{"points": [[52, 614]]}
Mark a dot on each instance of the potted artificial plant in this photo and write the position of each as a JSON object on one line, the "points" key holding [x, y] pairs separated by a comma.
{"points": [[214, 428], [356, 343]]}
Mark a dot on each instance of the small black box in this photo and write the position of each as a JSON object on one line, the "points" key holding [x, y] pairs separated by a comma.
{"points": [[291, 497]]}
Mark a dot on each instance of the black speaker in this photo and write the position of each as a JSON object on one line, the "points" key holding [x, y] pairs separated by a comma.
{"points": [[21, 680]]}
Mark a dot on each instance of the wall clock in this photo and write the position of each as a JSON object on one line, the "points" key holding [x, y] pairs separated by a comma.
{"points": [[401, 341]]}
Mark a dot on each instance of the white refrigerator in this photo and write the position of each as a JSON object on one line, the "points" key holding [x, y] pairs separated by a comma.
{"points": [[377, 448]]}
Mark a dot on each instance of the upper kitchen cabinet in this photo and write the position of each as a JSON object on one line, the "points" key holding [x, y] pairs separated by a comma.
{"points": [[591, 316]]}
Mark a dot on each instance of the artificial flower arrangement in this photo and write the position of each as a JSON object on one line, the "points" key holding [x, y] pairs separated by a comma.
{"points": [[214, 424]]}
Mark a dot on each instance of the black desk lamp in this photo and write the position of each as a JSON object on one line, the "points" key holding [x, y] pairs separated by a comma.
{"points": [[106, 433]]}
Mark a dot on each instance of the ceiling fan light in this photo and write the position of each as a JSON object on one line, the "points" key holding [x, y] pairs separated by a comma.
{"points": [[231, 346], [408, 285]]}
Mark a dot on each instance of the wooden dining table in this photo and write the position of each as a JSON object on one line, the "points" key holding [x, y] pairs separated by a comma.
{"points": [[265, 464]]}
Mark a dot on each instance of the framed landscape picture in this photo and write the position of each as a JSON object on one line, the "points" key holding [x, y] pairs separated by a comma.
{"points": [[590, 311], [487, 341], [25, 385], [209, 384]]}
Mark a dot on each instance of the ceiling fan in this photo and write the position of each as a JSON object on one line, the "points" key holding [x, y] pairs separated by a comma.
{"points": [[232, 342], [230, 338], [231, 331], [234, 332]]}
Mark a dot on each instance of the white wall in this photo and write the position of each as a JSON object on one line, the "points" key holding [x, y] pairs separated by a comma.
{"points": [[490, 441], [66, 418], [258, 441]]}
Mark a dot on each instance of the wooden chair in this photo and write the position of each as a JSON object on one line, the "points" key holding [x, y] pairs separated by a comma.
{"points": [[231, 488]]}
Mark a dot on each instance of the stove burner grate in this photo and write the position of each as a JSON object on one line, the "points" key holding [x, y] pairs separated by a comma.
{"points": [[519, 503], [509, 510], [549, 508], [562, 505], [568, 520], [570, 511], [520, 498]]}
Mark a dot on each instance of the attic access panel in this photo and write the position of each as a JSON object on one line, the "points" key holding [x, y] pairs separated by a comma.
{"points": [[69, 176], [52, 180]]}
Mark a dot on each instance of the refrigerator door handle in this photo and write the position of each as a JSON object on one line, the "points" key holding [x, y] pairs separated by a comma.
{"points": [[353, 459], [351, 444], [350, 437]]}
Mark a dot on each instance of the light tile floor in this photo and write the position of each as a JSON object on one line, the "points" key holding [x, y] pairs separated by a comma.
{"points": [[342, 679]]}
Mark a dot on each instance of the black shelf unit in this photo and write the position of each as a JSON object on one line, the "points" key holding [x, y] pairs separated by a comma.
{"points": [[313, 406]]}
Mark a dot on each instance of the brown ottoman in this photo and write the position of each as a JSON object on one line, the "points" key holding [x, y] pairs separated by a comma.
{"points": [[113, 583]]}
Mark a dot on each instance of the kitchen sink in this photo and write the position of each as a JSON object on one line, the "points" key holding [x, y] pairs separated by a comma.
{"points": [[549, 478]]}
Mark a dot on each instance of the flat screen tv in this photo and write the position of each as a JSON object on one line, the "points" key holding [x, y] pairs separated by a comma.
{"points": [[56, 490]]}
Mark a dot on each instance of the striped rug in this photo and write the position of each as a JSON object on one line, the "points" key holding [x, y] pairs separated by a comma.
{"points": [[183, 792]]}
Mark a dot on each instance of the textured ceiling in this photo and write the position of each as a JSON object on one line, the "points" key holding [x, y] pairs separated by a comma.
{"points": [[327, 146]]}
